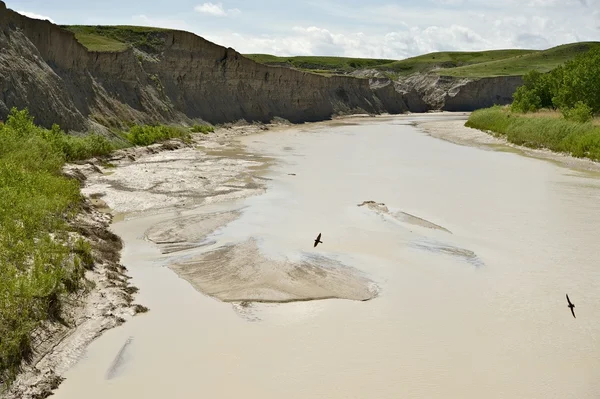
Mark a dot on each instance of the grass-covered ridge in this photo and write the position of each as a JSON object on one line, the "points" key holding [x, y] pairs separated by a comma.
{"points": [[448, 60], [539, 131], [40, 263], [450, 63], [541, 61]]}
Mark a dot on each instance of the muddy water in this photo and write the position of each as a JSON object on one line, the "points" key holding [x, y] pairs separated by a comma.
{"points": [[472, 255]]}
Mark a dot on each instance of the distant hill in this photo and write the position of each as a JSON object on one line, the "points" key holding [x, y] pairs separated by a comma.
{"points": [[448, 63]]}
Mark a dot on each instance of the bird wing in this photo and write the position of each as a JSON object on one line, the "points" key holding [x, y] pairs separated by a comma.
{"points": [[573, 311], [319, 237], [568, 300]]}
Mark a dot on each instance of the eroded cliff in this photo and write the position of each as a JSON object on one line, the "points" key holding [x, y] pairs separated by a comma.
{"points": [[449, 93], [43, 67], [187, 79]]}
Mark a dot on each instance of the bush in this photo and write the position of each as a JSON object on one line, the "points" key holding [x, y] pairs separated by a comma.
{"points": [[202, 129], [581, 113], [526, 100]]}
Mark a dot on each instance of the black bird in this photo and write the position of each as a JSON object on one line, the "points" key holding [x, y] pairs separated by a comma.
{"points": [[571, 305], [318, 240]]}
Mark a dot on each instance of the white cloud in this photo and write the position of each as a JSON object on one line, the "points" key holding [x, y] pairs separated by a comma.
{"points": [[393, 45], [35, 16], [216, 9]]}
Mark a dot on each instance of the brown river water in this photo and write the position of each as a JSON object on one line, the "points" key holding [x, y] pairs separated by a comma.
{"points": [[455, 289]]}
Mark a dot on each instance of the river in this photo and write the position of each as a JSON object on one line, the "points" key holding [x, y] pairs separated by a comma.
{"points": [[475, 308]]}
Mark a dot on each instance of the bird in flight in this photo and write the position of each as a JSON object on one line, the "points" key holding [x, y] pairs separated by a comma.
{"points": [[571, 305], [318, 240]]}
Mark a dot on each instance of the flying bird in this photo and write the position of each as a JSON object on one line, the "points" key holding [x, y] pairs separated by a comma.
{"points": [[318, 240], [571, 305]]}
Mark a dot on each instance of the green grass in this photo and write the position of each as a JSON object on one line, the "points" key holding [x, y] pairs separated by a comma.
{"points": [[541, 61], [119, 37], [100, 43], [40, 265], [146, 135], [403, 67], [556, 134], [449, 59]]}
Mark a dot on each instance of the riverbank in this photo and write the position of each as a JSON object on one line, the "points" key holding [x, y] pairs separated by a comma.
{"points": [[540, 131]]}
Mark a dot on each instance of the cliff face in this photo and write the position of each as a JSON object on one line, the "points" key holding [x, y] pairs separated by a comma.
{"points": [[481, 93], [43, 67], [449, 93]]}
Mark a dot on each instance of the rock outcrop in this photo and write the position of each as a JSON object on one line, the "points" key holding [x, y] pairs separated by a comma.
{"points": [[43, 67]]}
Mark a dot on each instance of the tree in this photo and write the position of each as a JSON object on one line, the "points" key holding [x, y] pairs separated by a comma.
{"points": [[525, 100], [580, 82]]}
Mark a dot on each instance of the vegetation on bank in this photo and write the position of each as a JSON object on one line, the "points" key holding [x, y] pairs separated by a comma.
{"points": [[145, 134], [40, 264], [554, 110], [556, 134], [574, 88], [204, 129]]}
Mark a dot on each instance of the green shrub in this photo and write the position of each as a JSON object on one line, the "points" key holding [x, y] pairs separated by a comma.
{"points": [[526, 100], [147, 134], [581, 113]]}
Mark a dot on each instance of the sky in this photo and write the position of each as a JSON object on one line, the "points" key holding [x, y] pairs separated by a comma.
{"points": [[393, 29]]}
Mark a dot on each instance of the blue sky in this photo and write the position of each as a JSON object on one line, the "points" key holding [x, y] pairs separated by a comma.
{"points": [[374, 28]]}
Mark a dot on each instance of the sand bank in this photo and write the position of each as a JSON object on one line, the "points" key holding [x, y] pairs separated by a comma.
{"points": [[241, 273]]}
